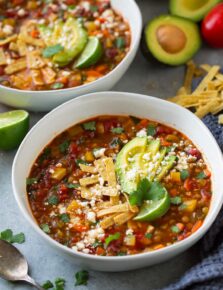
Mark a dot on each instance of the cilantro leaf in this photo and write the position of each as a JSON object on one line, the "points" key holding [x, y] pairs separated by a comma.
{"points": [[135, 119], [19, 238], [81, 278], [117, 130], [81, 161], [111, 238], [45, 228], [148, 235], [151, 130], [57, 86], [52, 50], [53, 200], [45, 155], [201, 175], [121, 254], [64, 146], [30, 181], [116, 142], [65, 217], [73, 185], [8, 236], [120, 42], [94, 8], [176, 200], [47, 285], [137, 197], [175, 229], [59, 283], [91, 126], [184, 174], [156, 191]]}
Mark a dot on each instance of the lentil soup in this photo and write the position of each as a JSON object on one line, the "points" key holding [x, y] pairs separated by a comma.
{"points": [[49, 45], [119, 185]]}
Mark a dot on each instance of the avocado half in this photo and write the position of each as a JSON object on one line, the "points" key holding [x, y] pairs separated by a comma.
{"points": [[194, 10], [172, 40]]}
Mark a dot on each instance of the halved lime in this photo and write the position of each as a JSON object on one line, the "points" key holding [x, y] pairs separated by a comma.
{"points": [[91, 54], [153, 209], [13, 127]]}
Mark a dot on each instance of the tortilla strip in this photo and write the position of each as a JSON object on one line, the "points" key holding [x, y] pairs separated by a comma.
{"points": [[34, 60], [104, 204], [100, 166], [114, 200], [89, 193], [13, 46], [203, 84], [87, 168], [2, 57], [48, 75], [108, 221], [189, 76], [17, 65], [21, 45], [89, 180], [204, 110], [133, 208], [30, 40], [110, 172], [37, 77], [181, 91], [8, 39], [116, 208], [123, 217]]}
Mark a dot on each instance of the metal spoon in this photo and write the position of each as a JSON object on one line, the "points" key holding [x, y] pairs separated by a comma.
{"points": [[13, 265]]}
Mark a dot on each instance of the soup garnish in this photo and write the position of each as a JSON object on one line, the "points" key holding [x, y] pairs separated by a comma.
{"points": [[119, 185], [48, 45]]}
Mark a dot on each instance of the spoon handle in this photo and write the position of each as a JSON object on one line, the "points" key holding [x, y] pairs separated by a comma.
{"points": [[32, 282]]}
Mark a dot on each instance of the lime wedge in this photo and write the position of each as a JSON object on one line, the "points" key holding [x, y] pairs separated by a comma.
{"points": [[91, 54], [13, 127], [153, 209]]}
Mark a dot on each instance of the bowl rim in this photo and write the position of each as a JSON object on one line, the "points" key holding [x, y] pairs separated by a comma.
{"points": [[132, 48], [187, 242]]}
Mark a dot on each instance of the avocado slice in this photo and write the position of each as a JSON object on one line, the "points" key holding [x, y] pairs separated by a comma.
{"points": [[165, 169], [171, 39], [127, 171], [194, 10], [70, 34]]}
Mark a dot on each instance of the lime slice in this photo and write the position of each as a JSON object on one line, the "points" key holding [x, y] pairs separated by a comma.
{"points": [[91, 54], [13, 127], [154, 209]]}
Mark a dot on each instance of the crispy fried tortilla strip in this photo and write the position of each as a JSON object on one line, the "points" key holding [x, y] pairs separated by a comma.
{"points": [[2, 57], [37, 77], [209, 107], [108, 221], [34, 60], [90, 193], [89, 180], [104, 204], [8, 39], [203, 84], [114, 200], [22, 48], [100, 166], [49, 75], [181, 91], [113, 209], [17, 65], [109, 191], [123, 217], [30, 40], [133, 208], [13, 46], [110, 172], [189, 76], [87, 168]]}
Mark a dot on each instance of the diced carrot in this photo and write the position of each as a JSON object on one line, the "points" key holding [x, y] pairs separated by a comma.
{"points": [[196, 226], [164, 142], [188, 184], [106, 33], [207, 173], [102, 68], [80, 228], [93, 73], [100, 251], [63, 80], [175, 176], [159, 246], [173, 192], [180, 226], [143, 123], [34, 33]]}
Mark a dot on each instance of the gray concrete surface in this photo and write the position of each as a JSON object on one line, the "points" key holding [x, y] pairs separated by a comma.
{"points": [[142, 77]]}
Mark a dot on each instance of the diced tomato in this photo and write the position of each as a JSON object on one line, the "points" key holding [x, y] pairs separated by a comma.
{"points": [[73, 148], [163, 130], [109, 124], [194, 152], [80, 228], [165, 143], [17, 2], [206, 195], [100, 251], [71, 2], [190, 184], [2, 70]]}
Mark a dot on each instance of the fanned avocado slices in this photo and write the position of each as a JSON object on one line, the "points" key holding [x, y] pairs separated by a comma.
{"points": [[141, 158], [194, 10], [70, 35]]}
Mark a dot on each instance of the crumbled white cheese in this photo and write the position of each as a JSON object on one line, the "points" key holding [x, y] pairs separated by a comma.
{"points": [[131, 174], [141, 133], [7, 29], [86, 251], [99, 152], [129, 232], [62, 209], [91, 217], [80, 245], [147, 156], [21, 12]]}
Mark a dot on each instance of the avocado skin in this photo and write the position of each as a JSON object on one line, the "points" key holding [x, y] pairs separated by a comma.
{"points": [[155, 56]]}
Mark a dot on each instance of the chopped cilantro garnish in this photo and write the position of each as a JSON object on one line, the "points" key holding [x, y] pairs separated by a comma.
{"points": [[116, 142], [45, 155], [151, 130], [120, 42], [47, 285], [59, 284], [94, 8], [121, 254], [176, 200], [91, 126], [52, 50], [73, 185], [45, 228], [65, 217], [30, 181], [117, 130], [53, 200], [111, 238], [81, 161], [64, 146], [135, 119], [81, 278], [8, 236], [96, 244], [170, 148], [148, 235], [57, 86], [184, 174], [201, 175], [175, 229]]}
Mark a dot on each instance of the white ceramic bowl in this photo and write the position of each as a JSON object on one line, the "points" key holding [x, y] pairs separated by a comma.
{"points": [[117, 103], [47, 100]]}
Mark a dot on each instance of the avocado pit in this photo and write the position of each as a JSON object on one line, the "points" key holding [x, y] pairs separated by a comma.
{"points": [[171, 38]]}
